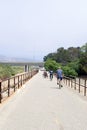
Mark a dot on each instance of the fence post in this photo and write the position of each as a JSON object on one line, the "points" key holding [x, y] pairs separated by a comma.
{"points": [[75, 84], [8, 87], [79, 85], [66, 81], [14, 84], [18, 81], [0, 91], [71, 82], [21, 80], [85, 88]]}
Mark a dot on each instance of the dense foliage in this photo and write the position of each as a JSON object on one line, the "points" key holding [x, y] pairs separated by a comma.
{"points": [[73, 60], [7, 71], [83, 60], [51, 65]]}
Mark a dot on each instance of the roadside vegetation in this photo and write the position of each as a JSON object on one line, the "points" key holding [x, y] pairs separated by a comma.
{"points": [[7, 71], [73, 60]]}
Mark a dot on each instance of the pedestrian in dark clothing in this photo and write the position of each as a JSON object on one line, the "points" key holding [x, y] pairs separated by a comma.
{"points": [[51, 74]]}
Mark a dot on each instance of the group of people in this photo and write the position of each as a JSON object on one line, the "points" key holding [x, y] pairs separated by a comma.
{"points": [[59, 76]]}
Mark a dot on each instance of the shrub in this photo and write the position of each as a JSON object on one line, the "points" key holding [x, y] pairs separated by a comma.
{"points": [[7, 71], [51, 65], [69, 71]]}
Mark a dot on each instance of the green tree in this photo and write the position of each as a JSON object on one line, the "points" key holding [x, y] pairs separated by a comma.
{"points": [[83, 59], [68, 71], [74, 65], [51, 65], [64, 56]]}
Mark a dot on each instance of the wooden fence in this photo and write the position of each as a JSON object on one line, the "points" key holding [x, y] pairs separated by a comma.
{"points": [[77, 83], [10, 85]]}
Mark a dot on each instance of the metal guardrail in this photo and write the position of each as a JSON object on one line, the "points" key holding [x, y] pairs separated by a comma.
{"points": [[76, 83], [10, 85]]}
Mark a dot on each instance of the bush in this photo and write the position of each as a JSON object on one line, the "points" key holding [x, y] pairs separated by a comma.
{"points": [[7, 71], [69, 71], [51, 65]]}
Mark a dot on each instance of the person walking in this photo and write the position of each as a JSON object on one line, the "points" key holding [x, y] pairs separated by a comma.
{"points": [[45, 75], [59, 76]]}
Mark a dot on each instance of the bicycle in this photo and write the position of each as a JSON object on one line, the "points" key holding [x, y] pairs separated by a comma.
{"points": [[59, 80], [51, 76]]}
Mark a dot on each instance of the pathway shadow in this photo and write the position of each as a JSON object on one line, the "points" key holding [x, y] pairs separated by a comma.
{"points": [[55, 87]]}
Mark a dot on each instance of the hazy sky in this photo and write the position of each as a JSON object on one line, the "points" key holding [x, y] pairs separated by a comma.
{"points": [[34, 28]]}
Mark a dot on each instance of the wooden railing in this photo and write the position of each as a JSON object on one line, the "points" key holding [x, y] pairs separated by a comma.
{"points": [[10, 85], [76, 83]]}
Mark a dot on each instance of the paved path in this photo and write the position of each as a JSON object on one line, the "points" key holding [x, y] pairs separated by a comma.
{"points": [[40, 105]]}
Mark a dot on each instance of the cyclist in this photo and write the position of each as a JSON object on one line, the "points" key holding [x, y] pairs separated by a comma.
{"points": [[51, 74], [59, 76]]}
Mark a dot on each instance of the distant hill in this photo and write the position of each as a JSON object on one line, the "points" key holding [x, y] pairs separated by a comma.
{"points": [[14, 59]]}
